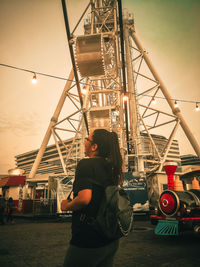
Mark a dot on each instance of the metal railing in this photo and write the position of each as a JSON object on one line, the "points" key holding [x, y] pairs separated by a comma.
{"points": [[44, 207]]}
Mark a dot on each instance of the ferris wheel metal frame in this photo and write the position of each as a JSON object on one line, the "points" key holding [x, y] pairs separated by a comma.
{"points": [[112, 85]]}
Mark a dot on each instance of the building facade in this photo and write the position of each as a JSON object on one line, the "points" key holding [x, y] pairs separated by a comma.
{"points": [[51, 163]]}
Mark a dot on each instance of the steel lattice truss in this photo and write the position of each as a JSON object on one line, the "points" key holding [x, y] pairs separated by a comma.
{"points": [[98, 95]]}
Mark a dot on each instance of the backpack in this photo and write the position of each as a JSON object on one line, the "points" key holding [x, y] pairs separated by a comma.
{"points": [[115, 216]]}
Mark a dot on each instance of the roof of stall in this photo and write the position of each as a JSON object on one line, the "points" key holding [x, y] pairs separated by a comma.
{"points": [[12, 181]]}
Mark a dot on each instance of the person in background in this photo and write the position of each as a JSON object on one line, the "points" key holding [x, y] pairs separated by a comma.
{"points": [[2, 209], [10, 210], [104, 165]]}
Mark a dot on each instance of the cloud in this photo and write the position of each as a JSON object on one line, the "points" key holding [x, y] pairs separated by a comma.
{"points": [[20, 124]]}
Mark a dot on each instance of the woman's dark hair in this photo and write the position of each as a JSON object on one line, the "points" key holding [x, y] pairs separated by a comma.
{"points": [[10, 199], [108, 148]]}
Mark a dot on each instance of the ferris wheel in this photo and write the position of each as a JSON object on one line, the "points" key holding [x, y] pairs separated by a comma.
{"points": [[113, 85]]}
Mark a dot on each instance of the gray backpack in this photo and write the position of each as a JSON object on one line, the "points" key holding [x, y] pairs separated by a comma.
{"points": [[115, 215]]}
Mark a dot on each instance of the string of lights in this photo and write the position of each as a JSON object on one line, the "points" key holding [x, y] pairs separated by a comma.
{"points": [[153, 100]]}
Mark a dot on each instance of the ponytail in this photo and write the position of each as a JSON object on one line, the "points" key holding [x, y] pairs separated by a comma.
{"points": [[115, 158], [108, 148]]}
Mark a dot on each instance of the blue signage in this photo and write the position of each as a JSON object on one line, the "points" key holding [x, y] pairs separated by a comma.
{"points": [[136, 188]]}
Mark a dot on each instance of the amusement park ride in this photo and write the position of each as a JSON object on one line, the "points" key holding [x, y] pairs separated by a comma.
{"points": [[113, 85]]}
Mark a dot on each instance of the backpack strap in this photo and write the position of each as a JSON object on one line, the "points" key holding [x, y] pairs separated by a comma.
{"points": [[69, 196]]}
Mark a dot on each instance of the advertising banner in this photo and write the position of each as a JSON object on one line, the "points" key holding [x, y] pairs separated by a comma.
{"points": [[137, 190]]}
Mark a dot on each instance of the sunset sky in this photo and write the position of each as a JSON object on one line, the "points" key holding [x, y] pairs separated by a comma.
{"points": [[33, 37]]}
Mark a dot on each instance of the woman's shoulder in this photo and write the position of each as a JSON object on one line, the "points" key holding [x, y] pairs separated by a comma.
{"points": [[94, 166], [89, 161], [84, 162], [84, 166]]}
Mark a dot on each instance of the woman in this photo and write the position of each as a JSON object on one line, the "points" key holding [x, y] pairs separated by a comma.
{"points": [[104, 165], [10, 209]]}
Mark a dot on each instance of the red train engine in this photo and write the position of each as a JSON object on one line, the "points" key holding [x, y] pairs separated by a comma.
{"points": [[178, 210]]}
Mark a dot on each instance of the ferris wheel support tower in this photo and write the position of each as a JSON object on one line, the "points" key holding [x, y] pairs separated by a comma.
{"points": [[176, 111], [103, 58]]}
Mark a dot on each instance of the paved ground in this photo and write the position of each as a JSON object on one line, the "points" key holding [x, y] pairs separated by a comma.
{"points": [[43, 243]]}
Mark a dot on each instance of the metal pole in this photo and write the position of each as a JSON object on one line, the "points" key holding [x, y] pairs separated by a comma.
{"points": [[51, 124], [73, 60], [59, 152], [81, 18], [176, 111], [133, 112], [123, 70]]}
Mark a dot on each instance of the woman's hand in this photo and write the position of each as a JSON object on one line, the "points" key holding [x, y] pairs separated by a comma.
{"points": [[80, 201], [65, 205]]}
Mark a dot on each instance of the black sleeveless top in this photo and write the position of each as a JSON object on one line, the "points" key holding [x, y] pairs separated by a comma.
{"points": [[87, 171]]}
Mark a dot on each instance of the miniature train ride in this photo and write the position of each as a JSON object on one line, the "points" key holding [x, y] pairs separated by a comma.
{"points": [[178, 209]]}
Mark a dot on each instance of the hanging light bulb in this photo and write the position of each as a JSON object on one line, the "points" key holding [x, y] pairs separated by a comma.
{"points": [[175, 104], [197, 107], [125, 98], [34, 79], [153, 100], [83, 90]]}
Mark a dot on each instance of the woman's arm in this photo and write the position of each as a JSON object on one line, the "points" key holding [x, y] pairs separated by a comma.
{"points": [[80, 201]]}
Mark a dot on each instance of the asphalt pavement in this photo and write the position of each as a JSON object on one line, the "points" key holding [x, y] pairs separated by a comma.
{"points": [[43, 242]]}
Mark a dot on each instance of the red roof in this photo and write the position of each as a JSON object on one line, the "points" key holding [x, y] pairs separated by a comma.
{"points": [[12, 180]]}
